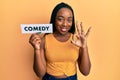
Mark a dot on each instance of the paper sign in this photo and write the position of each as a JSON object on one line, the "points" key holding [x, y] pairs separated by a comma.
{"points": [[35, 28]]}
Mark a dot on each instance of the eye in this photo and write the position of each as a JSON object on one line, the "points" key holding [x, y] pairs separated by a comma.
{"points": [[60, 18], [69, 19]]}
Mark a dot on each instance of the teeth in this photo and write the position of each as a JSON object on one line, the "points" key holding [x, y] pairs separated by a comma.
{"points": [[64, 29]]}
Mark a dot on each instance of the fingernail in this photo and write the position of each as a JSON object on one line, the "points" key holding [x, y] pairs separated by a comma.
{"points": [[39, 32], [72, 38]]}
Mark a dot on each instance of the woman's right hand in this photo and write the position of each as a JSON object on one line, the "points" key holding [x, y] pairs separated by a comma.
{"points": [[35, 40]]}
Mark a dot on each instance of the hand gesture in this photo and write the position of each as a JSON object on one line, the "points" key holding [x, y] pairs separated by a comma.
{"points": [[81, 36], [35, 40]]}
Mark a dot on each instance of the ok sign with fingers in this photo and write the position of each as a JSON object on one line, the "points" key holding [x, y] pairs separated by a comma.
{"points": [[81, 36]]}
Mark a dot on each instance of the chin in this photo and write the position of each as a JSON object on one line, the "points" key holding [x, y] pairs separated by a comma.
{"points": [[63, 33]]}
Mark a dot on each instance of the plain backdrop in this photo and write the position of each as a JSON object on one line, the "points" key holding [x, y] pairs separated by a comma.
{"points": [[16, 54]]}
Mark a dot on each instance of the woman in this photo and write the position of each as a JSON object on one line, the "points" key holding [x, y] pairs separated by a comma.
{"points": [[56, 54]]}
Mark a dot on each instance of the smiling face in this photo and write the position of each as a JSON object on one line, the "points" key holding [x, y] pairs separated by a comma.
{"points": [[63, 21]]}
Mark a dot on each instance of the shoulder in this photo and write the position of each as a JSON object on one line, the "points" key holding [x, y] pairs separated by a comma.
{"points": [[48, 36]]}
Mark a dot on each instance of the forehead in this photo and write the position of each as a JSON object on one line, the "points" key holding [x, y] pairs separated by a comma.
{"points": [[64, 12]]}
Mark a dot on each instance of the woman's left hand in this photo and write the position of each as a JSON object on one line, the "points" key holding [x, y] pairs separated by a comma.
{"points": [[81, 36]]}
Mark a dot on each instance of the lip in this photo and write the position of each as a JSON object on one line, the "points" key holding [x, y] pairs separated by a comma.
{"points": [[64, 29]]}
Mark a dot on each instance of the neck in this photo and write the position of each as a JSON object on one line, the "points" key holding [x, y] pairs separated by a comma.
{"points": [[61, 37]]}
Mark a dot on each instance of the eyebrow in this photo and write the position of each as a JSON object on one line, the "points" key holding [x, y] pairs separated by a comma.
{"points": [[63, 17]]}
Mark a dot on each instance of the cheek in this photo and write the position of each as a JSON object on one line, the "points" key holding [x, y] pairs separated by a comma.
{"points": [[70, 25], [58, 24]]}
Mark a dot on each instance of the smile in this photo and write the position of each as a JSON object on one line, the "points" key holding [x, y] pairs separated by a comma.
{"points": [[64, 29]]}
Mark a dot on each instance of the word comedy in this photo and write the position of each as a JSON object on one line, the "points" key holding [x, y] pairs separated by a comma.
{"points": [[34, 28]]}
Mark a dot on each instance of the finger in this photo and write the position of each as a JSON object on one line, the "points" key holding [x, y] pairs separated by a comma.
{"points": [[78, 36], [75, 37], [73, 41], [82, 31], [33, 37], [77, 43], [35, 40], [38, 41], [88, 32], [41, 35], [77, 26]]}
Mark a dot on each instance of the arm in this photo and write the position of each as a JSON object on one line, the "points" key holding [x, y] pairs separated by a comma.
{"points": [[39, 65], [84, 63]]}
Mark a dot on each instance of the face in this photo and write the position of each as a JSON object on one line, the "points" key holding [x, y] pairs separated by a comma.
{"points": [[63, 21]]}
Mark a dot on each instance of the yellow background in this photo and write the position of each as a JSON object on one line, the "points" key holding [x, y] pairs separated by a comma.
{"points": [[16, 54]]}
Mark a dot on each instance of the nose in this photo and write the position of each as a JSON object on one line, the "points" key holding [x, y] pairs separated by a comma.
{"points": [[65, 23]]}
